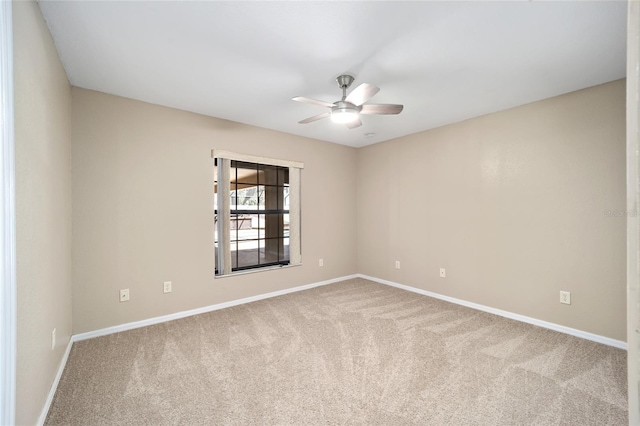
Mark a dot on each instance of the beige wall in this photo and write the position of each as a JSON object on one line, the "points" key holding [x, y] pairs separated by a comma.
{"points": [[142, 209], [43, 208], [512, 204]]}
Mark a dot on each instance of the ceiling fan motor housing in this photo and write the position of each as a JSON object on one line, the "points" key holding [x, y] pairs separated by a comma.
{"points": [[345, 106]]}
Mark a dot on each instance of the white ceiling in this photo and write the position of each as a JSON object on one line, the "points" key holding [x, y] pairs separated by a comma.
{"points": [[244, 61]]}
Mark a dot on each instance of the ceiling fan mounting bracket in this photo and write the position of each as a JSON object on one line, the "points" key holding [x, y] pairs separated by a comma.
{"points": [[344, 81]]}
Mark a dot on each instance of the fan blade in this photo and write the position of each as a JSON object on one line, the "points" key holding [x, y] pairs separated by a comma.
{"points": [[312, 101], [381, 109], [354, 124], [362, 94], [315, 118]]}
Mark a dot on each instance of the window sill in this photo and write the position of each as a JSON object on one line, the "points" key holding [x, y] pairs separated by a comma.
{"points": [[257, 270]]}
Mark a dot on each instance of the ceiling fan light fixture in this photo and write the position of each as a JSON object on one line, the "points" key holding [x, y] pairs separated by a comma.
{"points": [[344, 115]]}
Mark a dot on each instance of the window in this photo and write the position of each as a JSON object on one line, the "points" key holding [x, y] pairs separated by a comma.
{"points": [[257, 212]]}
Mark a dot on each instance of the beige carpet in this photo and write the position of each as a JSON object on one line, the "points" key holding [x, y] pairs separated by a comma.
{"points": [[354, 352]]}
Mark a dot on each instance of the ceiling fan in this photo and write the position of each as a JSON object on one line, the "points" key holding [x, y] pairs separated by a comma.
{"points": [[348, 109]]}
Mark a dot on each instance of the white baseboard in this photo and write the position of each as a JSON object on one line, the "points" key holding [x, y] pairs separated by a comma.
{"points": [[184, 314], [544, 324], [54, 385]]}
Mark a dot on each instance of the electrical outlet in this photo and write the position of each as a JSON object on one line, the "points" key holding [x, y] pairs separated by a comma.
{"points": [[167, 287], [397, 264], [124, 295], [53, 339], [565, 297], [443, 273], [321, 262]]}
